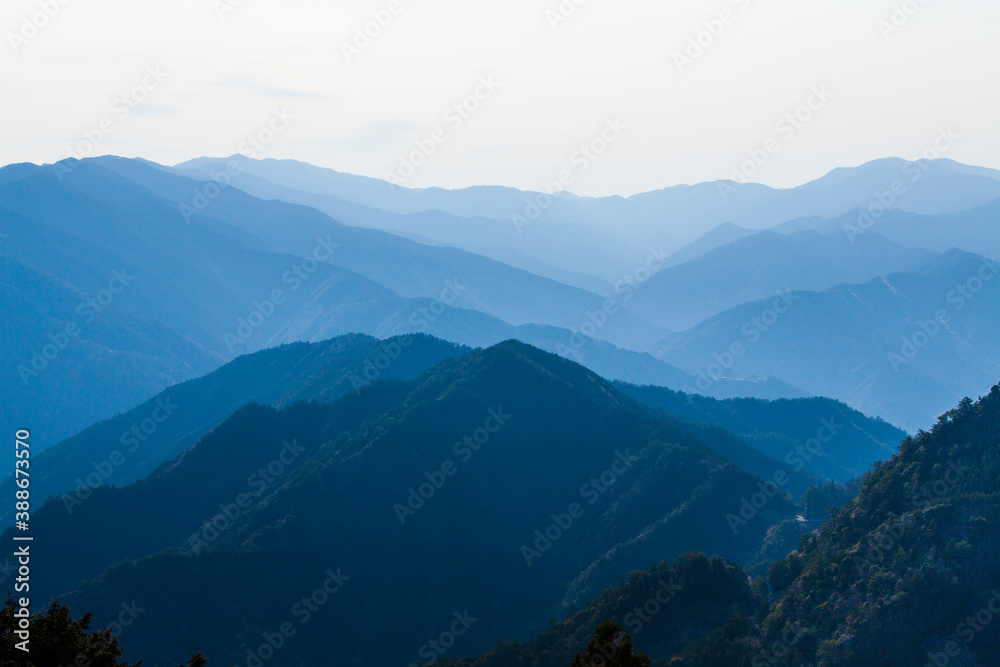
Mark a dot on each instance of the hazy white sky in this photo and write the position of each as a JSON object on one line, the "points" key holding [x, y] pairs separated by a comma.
{"points": [[227, 71]]}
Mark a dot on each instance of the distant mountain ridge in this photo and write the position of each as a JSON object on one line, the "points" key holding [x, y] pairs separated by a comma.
{"points": [[72, 226], [902, 346], [758, 266], [672, 216], [435, 414], [198, 286], [819, 435], [554, 252], [974, 230]]}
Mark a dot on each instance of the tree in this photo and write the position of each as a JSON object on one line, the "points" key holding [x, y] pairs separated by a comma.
{"points": [[57, 639], [610, 647]]}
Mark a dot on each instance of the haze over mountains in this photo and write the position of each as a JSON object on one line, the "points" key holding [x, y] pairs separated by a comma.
{"points": [[476, 411], [500, 334], [195, 295], [757, 266], [869, 344], [132, 445], [71, 227], [674, 215], [646, 487]]}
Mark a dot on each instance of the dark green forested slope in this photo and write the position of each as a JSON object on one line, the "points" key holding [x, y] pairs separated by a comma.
{"points": [[905, 574], [131, 445], [577, 486], [663, 609], [820, 436]]}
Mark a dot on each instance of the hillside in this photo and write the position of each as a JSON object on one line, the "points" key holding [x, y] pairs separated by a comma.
{"points": [[821, 436], [131, 445], [902, 574], [663, 609], [113, 291], [905, 573], [625, 482]]}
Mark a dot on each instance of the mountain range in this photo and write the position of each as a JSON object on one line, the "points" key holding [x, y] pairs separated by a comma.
{"points": [[901, 575], [385, 486], [672, 216], [130, 233], [867, 344], [307, 399]]}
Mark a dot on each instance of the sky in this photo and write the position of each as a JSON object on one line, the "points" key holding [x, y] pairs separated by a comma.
{"points": [[659, 93]]}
